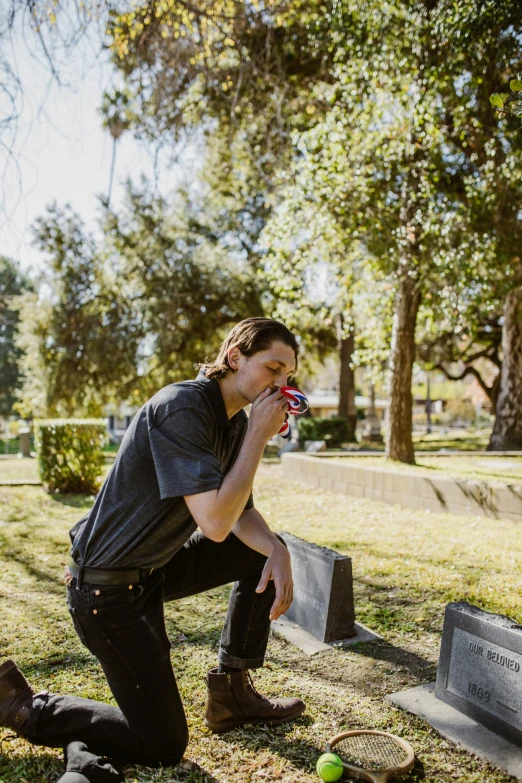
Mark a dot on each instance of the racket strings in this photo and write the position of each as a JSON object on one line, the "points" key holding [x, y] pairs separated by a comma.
{"points": [[371, 751]]}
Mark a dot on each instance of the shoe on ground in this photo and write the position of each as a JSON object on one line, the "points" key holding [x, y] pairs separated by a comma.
{"points": [[16, 697], [84, 766], [233, 701]]}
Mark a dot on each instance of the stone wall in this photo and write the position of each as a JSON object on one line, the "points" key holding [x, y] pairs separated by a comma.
{"points": [[452, 495]]}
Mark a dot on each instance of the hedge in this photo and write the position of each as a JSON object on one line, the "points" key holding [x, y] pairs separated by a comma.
{"points": [[70, 453], [335, 430]]}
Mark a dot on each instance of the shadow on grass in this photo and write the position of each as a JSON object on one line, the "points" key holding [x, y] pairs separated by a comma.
{"points": [[299, 752], [195, 774], [34, 765], [51, 582], [188, 772], [39, 766], [76, 661], [74, 501], [384, 651]]}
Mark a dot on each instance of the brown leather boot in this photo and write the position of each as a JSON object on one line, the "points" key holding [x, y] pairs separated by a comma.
{"points": [[233, 701], [16, 697]]}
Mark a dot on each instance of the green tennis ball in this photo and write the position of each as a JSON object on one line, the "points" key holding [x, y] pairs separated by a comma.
{"points": [[329, 767]]}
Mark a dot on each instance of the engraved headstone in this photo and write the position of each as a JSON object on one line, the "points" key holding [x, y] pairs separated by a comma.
{"points": [[480, 668], [323, 591]]}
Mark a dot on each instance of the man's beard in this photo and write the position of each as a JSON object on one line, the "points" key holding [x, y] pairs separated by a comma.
{"points": [[249, 394]]}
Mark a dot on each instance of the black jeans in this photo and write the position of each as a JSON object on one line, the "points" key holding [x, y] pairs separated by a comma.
{"points": [[124, 627]]}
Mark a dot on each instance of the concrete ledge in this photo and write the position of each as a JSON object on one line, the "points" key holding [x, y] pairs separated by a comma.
{"points": [[28, 483], [310, 645], [454, 496], [460, 729]]}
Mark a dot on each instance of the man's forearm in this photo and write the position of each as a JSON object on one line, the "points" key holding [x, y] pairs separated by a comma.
{"points": [[217, 511], [253, 531], [236, 487]]}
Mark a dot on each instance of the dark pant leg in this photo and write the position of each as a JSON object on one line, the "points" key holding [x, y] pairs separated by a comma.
{"points": [[203, 564], [124, 627]]}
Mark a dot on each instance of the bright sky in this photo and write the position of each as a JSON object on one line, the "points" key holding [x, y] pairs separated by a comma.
{"points": [[61, 152]]}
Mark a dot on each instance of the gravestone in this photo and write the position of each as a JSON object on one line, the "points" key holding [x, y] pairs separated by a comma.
{"points": [[480, 668], [372, 428], [323, 591], [314, 446], [24, 434], [288, 446]]}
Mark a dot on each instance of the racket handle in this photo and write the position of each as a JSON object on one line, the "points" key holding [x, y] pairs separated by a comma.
{"points": [[375, 777]]}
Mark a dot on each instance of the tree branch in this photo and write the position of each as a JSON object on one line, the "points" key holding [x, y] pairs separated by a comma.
{"points": [[489, 391]]}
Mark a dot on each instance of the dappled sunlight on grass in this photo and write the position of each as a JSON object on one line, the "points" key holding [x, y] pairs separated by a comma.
{"points": [[506, 469], [430, 558], [407, 565], [14, 469]]}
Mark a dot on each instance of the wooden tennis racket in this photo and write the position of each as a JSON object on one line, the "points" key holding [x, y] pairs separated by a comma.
{"points": [[372, 755]]}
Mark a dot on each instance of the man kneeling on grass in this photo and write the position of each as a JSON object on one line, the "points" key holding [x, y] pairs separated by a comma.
{"points": [[174, 517]]}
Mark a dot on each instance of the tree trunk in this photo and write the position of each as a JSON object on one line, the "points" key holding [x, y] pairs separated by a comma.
{"points": [[399, 443], [347, 407], [111, 175], [507, 432]]}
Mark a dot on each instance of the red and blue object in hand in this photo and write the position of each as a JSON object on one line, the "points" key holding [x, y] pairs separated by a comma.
{"points": [[298, 404]]}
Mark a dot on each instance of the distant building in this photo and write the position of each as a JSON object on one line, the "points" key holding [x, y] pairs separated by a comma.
{"points": [[118, 420], [325, 404]]}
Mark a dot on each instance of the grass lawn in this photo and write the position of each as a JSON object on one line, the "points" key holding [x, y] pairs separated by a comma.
{"points": [[407, 566], [480, 467], [454, 440], [14, 469], [461, 440]]}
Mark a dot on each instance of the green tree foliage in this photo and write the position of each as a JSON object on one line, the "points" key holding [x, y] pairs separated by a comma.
{"points": [[487, 59], [468, 348], [185, 288], [117, 117], [80, 333], [411, 169], [13, 283], [359, 141], [245, 76], [117, 319], [378, 106], [250, 67], [375, 171]]}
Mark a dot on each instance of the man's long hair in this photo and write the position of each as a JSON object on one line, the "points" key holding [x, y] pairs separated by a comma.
{"points": [[251, 336]]}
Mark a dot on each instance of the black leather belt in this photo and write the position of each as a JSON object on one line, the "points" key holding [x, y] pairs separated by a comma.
{"points": [[104, 576]]}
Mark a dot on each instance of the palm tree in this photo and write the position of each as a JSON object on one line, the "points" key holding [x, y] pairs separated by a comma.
{"points": [[116, 118]]}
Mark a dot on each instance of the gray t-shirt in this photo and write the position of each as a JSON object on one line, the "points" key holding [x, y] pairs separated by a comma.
{"points": [[180, 443]]}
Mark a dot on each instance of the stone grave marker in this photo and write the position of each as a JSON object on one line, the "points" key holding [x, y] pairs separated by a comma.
{"points": [[24, 442], [323, 591], [314, 446], [480, 668]]}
